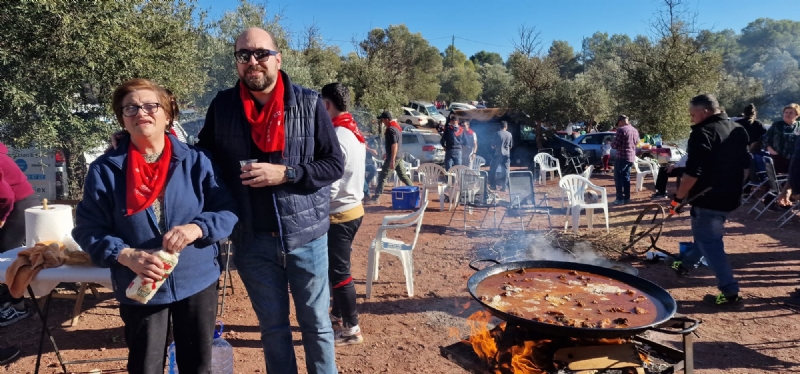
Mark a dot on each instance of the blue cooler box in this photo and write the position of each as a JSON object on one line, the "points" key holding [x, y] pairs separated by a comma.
{"points": [[405, 198]]}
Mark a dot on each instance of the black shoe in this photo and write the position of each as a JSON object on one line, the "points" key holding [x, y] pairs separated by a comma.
{"points": [[725, 301], [11, 315], [659, 195], [8, 355]]}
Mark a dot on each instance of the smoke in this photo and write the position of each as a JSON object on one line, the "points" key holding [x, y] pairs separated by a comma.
{"points": [[532, 247]]}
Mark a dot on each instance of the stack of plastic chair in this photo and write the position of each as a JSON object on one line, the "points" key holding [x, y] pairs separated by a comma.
{"points": [[652, 169], [547, 163], [430, 175]]}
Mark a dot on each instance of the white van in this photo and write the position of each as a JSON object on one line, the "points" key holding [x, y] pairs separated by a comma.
{"points": [[429, 110]]}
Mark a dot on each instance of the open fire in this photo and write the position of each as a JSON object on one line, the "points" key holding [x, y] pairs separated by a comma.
{"points": [[508, 349]]}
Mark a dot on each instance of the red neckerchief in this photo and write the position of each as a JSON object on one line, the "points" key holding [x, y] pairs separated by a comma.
{"points": [[145, 181], [460, 131], [266, 127], [394, 124], [470, 132], [346, 120]]}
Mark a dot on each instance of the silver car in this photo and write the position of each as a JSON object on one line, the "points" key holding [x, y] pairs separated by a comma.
{"points": [[424, 146]]}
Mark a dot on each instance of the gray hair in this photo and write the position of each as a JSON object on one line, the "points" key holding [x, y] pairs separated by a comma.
{"points": [[707, 101]]}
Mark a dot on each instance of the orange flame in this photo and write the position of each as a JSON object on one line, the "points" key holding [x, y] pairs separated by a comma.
{"points": [[518, 359]]}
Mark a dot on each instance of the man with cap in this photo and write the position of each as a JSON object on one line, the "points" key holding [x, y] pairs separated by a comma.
{"points": [[393, 140], [625, 144]]}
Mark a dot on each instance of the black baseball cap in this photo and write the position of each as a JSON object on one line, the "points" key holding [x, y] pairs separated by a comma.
{"points": [[385, 115], [621, 117]]}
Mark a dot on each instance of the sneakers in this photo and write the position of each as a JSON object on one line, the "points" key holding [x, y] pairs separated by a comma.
{"points": [[11, 315], [679, 269], [348, 335], [721, 300], [621, 202], [659, 195], [7, 355]]}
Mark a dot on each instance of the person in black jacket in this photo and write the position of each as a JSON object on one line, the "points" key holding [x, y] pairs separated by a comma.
{"points": [[755, 129], [715, 172], [453, 139]]}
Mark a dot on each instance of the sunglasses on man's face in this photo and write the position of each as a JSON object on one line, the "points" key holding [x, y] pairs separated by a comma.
{"points": [[243, 55]]}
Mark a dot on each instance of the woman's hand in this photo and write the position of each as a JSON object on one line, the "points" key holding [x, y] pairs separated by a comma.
{"points": [[146, 265], [179, 237]]}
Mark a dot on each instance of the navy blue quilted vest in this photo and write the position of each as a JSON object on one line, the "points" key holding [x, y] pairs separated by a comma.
{"points": [[302, 214]]}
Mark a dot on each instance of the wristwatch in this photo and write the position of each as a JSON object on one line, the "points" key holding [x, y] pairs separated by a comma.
{"points": [[290, 174]]}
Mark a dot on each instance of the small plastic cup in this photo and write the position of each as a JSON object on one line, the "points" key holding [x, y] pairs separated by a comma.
{"points": [[242, 163]]}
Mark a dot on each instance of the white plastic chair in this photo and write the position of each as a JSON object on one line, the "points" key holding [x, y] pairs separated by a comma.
{"points": [[430, 175], [641, 174], [412, 168], [478, 162], [454, 182], [456, 185], [547, 163], [575, 187], [588, 172], [395, 247]]}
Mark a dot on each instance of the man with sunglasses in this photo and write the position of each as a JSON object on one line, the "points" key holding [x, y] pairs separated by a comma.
{"points": [[278, 152]]}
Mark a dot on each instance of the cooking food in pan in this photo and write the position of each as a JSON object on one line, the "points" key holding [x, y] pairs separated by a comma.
{"points": [[568, 298]]}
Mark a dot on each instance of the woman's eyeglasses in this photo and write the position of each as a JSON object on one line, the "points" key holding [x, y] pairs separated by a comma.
{"points": [[132, 110], [243, 55]]}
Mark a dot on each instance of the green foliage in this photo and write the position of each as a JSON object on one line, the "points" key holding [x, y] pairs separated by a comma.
{"points": [[392, 66], [494, 79], [60, 60], [461, 83], [564, 58], [486, 58], [452, 57]]}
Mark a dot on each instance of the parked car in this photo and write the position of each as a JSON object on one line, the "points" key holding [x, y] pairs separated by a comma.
{"points": [[426, 108], [591, 143], [461, 106], [413, 117], [424, 146]]}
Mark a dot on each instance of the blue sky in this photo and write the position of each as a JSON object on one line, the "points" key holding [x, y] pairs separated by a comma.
{"points": [[491, 25]]}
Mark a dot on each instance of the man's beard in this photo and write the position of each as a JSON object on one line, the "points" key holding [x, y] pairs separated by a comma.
{"points": [[258, 84]]}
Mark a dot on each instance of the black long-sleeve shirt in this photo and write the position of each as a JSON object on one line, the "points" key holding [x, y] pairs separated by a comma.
{"points": [[327, 167]]}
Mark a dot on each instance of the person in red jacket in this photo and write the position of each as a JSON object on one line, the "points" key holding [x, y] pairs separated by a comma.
{"points": [[16, 195]]}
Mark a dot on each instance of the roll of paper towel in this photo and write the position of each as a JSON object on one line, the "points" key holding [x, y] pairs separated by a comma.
{"points": [[52, 224]]}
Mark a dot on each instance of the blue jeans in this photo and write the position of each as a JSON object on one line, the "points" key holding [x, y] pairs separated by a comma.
{"points": [[369, 173], [452, 158], [268, 285], [622, 179], [707, 226]]}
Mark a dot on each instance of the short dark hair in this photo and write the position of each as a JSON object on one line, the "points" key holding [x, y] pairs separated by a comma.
{"points": [[338, 94], [706, 101], [504, 124]]}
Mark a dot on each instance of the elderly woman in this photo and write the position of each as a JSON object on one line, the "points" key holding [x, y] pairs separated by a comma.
{"points": [[781, 136], [154, 192]]}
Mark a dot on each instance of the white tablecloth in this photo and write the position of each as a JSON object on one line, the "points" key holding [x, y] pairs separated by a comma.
{"points": [[48, 279]]}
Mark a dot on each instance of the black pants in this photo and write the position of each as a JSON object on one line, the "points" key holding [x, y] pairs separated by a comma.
{"points": [[663, 177], [340, 240], [12, 235], [147, 327]]}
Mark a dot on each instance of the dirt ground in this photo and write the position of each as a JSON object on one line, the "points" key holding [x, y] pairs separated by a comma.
{"points": [[403, 334]]}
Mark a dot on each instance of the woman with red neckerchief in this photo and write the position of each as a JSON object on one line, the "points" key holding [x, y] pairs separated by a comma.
{"points": [[155, 192]]}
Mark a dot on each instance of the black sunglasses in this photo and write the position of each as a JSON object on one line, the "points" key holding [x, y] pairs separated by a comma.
{"points": [[243, 55]]}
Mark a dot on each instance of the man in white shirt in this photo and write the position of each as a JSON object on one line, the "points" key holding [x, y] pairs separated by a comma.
{"points": [[665, 172], [346, 213]]}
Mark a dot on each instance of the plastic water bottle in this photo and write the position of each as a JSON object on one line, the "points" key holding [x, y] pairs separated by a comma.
{"points": [[221, 355], [658, 141]]}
